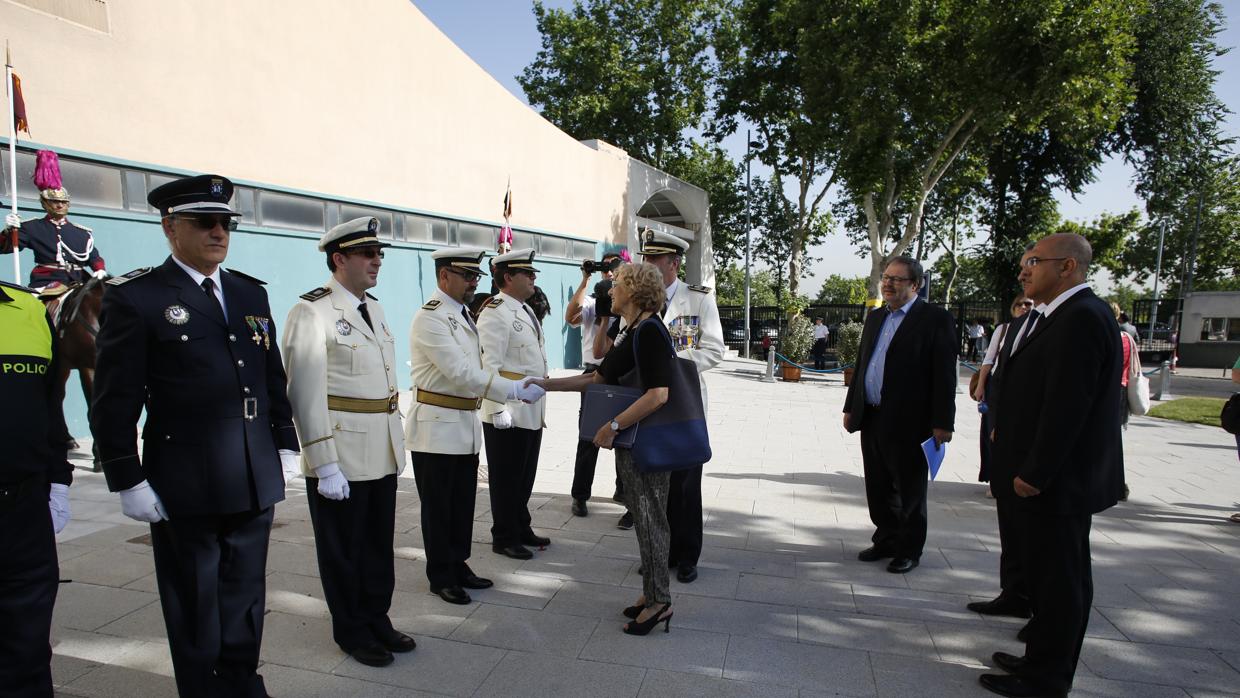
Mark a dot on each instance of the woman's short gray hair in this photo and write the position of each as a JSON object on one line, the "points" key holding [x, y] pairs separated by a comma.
{"points": [[644, 282]]}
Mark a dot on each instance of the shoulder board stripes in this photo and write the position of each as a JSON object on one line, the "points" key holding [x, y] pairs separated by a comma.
{"points": [[125, 278], [431, 304], [700, 289], [243, 275], [320, 292], [494, 303]]}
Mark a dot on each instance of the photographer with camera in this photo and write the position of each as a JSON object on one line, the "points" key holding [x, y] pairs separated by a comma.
{"points": [[593, 314]]}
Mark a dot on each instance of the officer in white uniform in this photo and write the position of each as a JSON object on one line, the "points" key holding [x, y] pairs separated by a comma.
{"points": [[513, 346], [442, 429], [340, 357], [692, 318]]}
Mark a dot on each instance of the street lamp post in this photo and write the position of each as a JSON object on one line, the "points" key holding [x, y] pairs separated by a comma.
{"points": [[748, 230]]}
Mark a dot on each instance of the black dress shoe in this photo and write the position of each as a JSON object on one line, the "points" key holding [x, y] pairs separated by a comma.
{"points": [[397, 641], [1008, 662], [1001, 606], [516, 552], [372, 654], [873, 554], [580, 508], [469, 580], [454, 594], [900, 565], [1023, 634], [686, 573], [1016, 687], [535, 540], [626, 522]]}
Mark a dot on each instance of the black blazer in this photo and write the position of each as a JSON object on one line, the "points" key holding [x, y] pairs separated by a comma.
{"points": [[216, 406], [1057, 425], [919, 375]]}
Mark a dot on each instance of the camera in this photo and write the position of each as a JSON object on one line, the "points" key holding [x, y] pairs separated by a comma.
{"points": [[602, 299], [592, 266]]}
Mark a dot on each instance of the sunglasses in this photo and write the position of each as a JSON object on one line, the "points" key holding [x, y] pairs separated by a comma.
{"points": [[368, 253], [208, 221], [467, 275]]}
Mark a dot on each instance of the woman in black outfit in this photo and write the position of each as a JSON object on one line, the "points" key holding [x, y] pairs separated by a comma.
{"points": [[636, 295]]}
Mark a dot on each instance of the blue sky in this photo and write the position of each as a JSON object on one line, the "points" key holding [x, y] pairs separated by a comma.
{"points": [[501, 36]]}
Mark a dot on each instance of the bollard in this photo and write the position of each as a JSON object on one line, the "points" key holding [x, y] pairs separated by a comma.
{"points": [[770, 367], [1164, 383]]}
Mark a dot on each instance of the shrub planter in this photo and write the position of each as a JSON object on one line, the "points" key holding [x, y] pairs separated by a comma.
{"points": [[792, 373]]}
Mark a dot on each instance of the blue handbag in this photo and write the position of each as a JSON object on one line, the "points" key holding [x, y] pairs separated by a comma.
{"points": [[674, 437]]}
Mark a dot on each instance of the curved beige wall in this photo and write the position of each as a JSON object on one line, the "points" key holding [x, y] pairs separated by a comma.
{"points": [[364, 99]]}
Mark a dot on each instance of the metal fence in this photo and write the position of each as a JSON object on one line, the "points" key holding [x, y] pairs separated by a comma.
{"points": [[1166, 316]]}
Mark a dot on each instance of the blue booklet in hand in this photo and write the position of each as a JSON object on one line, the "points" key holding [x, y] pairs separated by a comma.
{"points": [[935, 454], [601, 405]]}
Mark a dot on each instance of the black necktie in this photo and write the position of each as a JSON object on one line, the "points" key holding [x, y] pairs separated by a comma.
{"points": [[1033, 321], [533, 321], [361, 308], [468, 320], [209, 286]]}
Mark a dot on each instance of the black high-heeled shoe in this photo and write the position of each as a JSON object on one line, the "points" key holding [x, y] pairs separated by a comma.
{"points": [[636, 627], [633, 612]]}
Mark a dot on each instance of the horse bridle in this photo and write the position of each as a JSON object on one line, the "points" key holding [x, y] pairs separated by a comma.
{"points": [[74, 315]]}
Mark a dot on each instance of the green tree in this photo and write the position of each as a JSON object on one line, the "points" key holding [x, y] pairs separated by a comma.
{"points": [[1124, 295], [730, 286], [778, 234], [1109, 236], [841, 289], [709, 167], [909, 85], [969, 281], [634, 73]]}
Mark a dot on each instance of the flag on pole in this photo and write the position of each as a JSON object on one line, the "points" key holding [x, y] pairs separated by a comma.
{"points": [[508, 202], [19, 107]]}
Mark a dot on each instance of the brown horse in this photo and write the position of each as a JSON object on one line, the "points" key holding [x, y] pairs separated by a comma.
{"points": [[76, 329]]}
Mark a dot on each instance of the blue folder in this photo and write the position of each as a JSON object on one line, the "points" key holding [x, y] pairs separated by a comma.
{"points": [[934, 455]]}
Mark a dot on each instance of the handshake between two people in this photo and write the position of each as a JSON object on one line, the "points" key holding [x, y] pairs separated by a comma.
{"points": [[529, 390]]}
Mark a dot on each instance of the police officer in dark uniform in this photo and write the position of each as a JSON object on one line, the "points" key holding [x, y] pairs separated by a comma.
{"points": [[196, 346], [34, 475], [64, 252]]}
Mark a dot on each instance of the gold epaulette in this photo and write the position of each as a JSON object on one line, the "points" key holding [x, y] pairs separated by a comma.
{"points": [[431, 304], [320, 292], [495, 302], [700, 289]]}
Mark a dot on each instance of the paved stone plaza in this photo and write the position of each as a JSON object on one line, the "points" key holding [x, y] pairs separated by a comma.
{"points": [[782, 607]]}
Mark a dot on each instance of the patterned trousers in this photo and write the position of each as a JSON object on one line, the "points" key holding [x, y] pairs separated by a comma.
{"points": [[646, 497]]}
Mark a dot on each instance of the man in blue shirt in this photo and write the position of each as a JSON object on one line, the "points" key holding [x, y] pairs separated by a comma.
{"points": [[903, 393]]}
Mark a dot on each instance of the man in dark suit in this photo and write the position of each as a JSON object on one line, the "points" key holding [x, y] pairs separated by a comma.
{"points": [[902, 393], [1057, 450], [195, 345]]}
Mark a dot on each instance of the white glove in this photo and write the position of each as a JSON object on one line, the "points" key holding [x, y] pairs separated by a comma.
{"points": [[58, 502], [290, 464], [502, 420], [332, 484], [526, 393], [12, 221], [100, 273], [140, 503]]}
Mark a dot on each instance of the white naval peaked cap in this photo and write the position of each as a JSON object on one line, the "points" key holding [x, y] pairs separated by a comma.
{"points": [[359, 232], [655, 242], [466, 258], [517, 259]]}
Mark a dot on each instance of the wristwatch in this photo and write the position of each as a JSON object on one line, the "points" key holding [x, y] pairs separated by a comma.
{"points": [[615, 426]]}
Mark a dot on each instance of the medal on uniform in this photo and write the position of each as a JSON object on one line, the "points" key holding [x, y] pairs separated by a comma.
{"points": [[517, 326], [254, 336], [685, 331], [266, 325], [343, 328], [176, 314]]}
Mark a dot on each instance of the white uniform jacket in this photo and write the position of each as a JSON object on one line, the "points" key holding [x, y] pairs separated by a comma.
{"points": [[340, 373], [513, 346], [692, 318], [446, 362]]}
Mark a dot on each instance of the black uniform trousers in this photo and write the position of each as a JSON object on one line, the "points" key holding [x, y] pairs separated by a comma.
{"points": [[1012, 543], [587, 459], [447, 487], [1062, 586], [512, 464], [684, 516], [29, 575], [353, 539], [212, 572], [896, 478]]}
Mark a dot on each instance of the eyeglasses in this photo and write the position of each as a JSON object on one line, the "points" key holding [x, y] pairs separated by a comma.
{"points": [[467, 275], [894, 279], [368, 253], [1035, 261], [208, 221]]}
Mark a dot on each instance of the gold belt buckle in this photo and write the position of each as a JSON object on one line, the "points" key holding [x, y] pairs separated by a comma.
{"points": [[393, 403]]}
